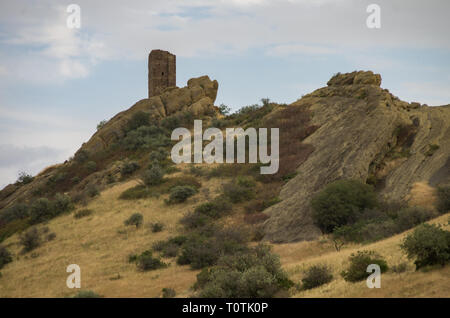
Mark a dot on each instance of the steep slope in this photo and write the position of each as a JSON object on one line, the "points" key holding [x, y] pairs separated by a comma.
{"points": [[364, 133]]}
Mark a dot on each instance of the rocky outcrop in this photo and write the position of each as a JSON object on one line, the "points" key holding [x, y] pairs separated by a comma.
{"points": [[197, 97], [360, 125]]}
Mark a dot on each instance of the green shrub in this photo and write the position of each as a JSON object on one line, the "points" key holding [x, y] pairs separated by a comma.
{"points": [[428, 245], [92, 190], [316, 275], [24, 178], [30, 240], [5, 256], [82, 213], [237, 192], [195, 220], [168, 293], [157, 227], [341, 203], [128, 168], [214, 209], [138, 119], [357, 270], [91, 166], [146, 262], [157, 156], [81, 156], [443, 199], [408, 218], [135, 219], [153, 176], [50, 237], [101, 124], [432, 148], [255, 273], [400, 268], [87, 294], [197, 171], [18, 211], [62, 203], [170, 247], [41, 210], [180, 194]]}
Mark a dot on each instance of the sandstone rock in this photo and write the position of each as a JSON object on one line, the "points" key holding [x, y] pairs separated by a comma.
{"points": [[353, 133]]}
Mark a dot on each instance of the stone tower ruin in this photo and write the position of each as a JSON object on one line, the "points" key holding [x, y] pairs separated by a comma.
{"points": [[161, 71]]}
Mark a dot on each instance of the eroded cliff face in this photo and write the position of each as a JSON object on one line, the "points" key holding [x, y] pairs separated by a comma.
{"points": [[367, 134]]}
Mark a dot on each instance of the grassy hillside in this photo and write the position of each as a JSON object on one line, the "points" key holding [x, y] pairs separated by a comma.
{"points": [[101, 243]]}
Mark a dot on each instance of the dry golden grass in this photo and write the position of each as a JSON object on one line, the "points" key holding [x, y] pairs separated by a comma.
{"points": [[101, 243], [296, 257], [422, 194], [96, 244]]}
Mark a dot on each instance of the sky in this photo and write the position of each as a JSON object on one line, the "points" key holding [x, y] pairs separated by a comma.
{"points": [[57, 83]]}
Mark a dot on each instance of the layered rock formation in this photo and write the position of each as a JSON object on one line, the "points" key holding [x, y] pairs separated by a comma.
{"points": [[197, 97], [361, 127]]}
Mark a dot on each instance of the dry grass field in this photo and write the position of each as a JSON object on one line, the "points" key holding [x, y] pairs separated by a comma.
{"points": [[100, 244]]}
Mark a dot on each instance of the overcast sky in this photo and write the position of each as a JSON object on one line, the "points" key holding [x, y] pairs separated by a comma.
{"points": [[57, 83]]}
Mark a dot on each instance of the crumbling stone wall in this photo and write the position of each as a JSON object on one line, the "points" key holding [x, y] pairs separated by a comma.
{"points": [[161, 71]]}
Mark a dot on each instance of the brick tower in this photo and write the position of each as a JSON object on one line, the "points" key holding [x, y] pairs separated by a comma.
{"points": [[161, 71]]}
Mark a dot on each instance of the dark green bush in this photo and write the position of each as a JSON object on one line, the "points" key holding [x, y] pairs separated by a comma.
{"points": [[195, 220], [428, 245], [168, 293], [146, 262], [341, 203], [134, 193], [81, 156], [91, 166], [31, 239], [157, 227], [214, 209], [135, 219], [128, 168], [170, 247], [92, 190], [18, 211], [443, 199], [87, 294], [153, 176], [316, 275], [62, 203], [82, 213], [138, 119], [408, 218], [357, 270], [5, 256], [180, 194], [255, 273]]}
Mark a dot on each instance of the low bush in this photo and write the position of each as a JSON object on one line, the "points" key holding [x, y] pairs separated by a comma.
{"points": [[5, 256], [41, 210], [153, 176], [91, 166], [87, 294], [24, 178], [443, 199], [429, 244], [128, 168], [357, 270], [180, 194], [168, 293], [157, 227], [146, 262], [214, 209], [255, 273], [135, 219], [316, 275], [31, 239], [82, 213], [238, 192], [18, 211], [170, 247], [195, 220], [135, 193], [138, 119]]}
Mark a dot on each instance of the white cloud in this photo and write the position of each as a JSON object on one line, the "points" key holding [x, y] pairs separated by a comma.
{"points": [[295, 49]]}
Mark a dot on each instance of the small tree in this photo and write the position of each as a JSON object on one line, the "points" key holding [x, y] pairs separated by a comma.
{"points": [[24, 178], [428, 244], [101, 124], [341, 203], [443, 202], [136, 219]]}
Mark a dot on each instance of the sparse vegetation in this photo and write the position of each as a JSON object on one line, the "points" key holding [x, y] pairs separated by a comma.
{"points": [[443, 199], [157, 227], [146, 262], [31, 239], [180, 194], [83, 213], [24, 178], [5, 256], [153, 176], [87, 294], [432, 148], [168, 293]]}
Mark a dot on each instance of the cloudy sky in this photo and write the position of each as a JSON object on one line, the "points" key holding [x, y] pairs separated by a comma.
{"points": [[57, 83]]}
